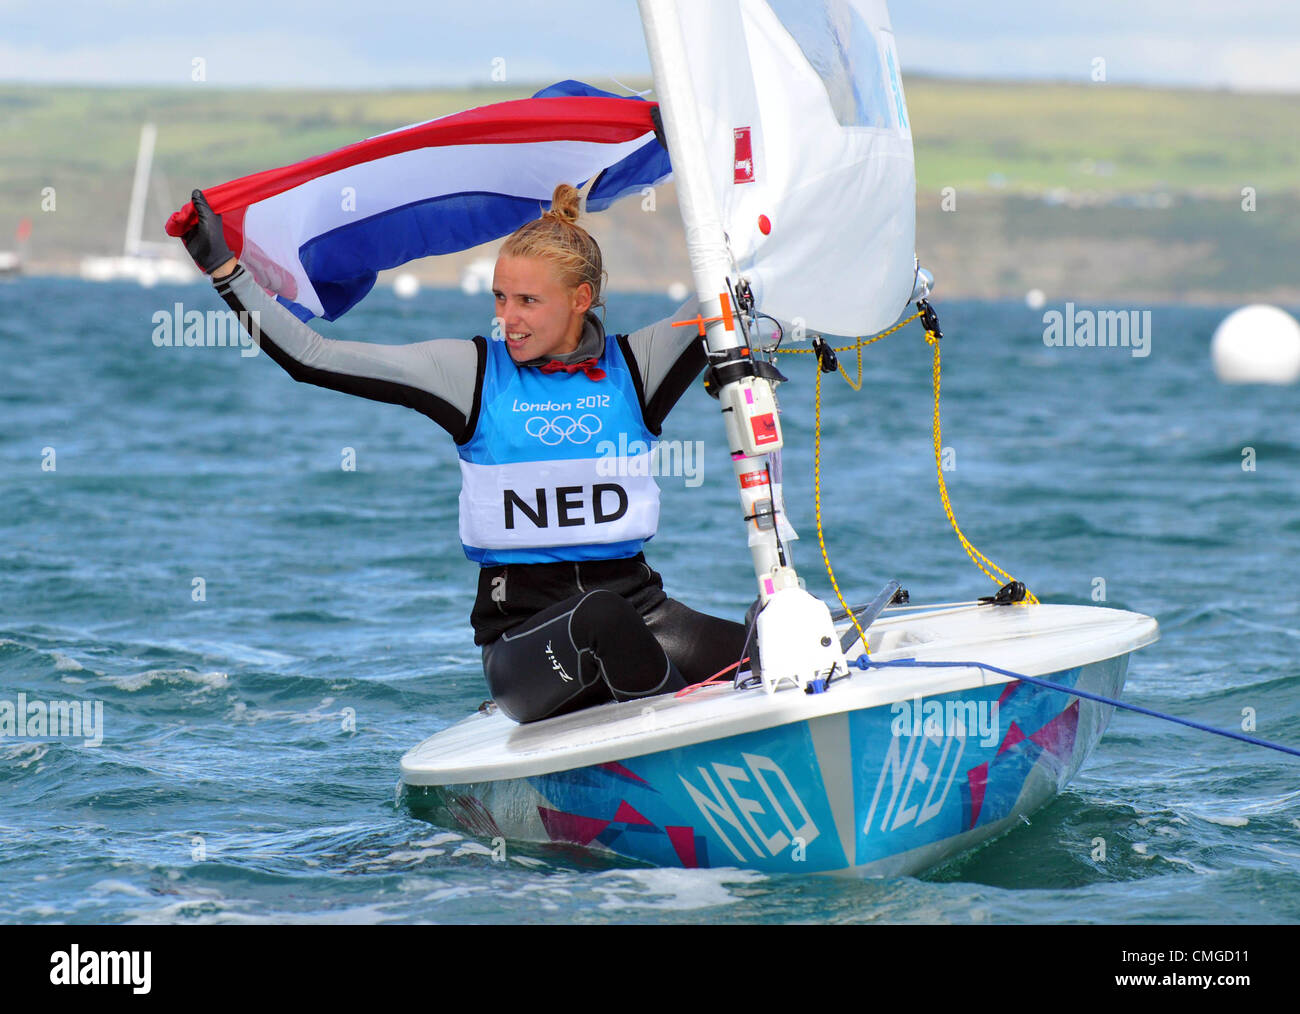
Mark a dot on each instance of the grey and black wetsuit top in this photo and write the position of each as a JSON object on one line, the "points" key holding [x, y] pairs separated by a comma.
{"points": [[443, 379]]}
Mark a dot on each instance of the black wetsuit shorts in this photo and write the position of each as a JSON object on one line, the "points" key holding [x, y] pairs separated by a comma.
{"points": [[558, 637]]}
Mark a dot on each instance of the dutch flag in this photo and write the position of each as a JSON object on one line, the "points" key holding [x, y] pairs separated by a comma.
{"points": [[317, 233]]}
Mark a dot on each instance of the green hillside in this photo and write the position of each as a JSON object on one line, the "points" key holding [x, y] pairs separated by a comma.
{"points": [[1102, 136], [1116, 174]]}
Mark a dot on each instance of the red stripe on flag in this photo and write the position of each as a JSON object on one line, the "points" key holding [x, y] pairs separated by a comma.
{"points": [[521, 121]]}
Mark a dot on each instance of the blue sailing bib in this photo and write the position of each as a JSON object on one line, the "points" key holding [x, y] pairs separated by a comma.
{"points": [[559, 466]]}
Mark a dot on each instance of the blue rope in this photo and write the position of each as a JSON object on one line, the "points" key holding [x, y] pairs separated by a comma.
{"points": [[911, 663]]}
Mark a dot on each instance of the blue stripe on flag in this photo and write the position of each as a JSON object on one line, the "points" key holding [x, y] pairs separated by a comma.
{"points": [[343, 263], [297, 309], [647, 166]]}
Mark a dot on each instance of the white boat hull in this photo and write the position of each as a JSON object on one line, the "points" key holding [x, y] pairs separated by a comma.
{"points": [[889, 772]]}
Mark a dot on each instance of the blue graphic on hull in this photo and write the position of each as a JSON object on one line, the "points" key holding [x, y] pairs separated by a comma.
{"points": [[897, 778]]}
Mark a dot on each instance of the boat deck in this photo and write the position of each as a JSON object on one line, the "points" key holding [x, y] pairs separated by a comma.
{"points": [[1034, 640]]}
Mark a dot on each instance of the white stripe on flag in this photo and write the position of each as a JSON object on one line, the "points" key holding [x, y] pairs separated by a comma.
{"points": [[281, 224]]}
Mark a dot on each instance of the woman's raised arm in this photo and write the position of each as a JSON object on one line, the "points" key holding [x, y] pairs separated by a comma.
{"points": [[437, 378]]}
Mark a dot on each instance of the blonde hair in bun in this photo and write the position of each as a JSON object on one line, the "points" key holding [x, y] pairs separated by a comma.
{"points": [[557, 237]]}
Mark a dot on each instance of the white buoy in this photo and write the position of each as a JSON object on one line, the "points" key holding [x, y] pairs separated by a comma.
{"points": [[1257, 344], [405, 285], [1035, 299], [678, 291]]}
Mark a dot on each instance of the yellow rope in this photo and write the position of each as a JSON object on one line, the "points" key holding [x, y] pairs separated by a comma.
{"points": [[817, 491], [975, 555], [860, 344], [978, 558]]}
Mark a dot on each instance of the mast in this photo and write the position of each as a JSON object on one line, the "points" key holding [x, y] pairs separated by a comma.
{"points": [[140, 190], [711, 261], [796, 646]]}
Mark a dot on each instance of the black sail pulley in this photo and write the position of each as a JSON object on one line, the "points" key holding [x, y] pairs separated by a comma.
{"points": [[929, 319], [1008, 595], [825, 355]]}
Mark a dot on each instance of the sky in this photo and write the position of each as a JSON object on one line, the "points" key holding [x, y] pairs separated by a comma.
{"points": [[1240, 44]]}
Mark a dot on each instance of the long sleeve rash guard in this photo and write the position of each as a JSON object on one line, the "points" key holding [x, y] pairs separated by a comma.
{"points": [[442, 378]]}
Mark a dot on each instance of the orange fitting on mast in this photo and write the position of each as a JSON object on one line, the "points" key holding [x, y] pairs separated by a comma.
{"points": [[699, 321]]}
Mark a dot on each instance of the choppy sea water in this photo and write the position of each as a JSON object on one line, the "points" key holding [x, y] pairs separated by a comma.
{"points": [[251, 739]]}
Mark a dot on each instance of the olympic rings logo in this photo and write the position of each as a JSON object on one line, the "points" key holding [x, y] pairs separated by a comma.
{"points": [[563, 427]]}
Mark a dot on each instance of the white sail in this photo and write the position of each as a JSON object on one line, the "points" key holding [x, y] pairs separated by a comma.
{"points": [[145, 261], [804, 137], [140, 190]]}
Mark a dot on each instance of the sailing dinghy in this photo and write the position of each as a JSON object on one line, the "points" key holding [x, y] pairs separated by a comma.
{"points": [[888, 772], [792, 154]]}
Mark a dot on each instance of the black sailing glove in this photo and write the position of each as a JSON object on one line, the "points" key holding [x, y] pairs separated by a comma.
{"points": [[206, 243]]}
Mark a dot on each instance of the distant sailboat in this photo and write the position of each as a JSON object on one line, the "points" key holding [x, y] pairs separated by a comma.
{"points": [[141, 261], [11, 261]]}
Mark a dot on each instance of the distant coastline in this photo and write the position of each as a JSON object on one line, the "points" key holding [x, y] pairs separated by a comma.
{"points": [[1083, 191]]}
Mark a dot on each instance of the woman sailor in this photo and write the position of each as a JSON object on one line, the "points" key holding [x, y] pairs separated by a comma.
{"points": [[568, 612]]}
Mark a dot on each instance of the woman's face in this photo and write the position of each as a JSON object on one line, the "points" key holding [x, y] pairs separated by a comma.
{"points": [[539, 315]]}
